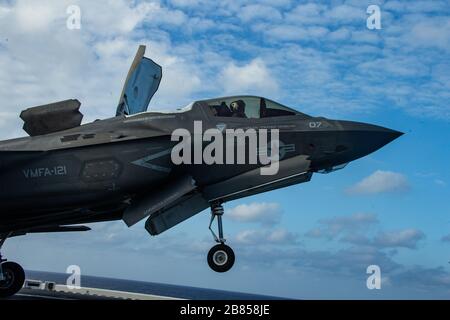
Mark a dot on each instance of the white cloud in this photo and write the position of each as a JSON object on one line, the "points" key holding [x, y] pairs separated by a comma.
{"points": [[431, 34], [102, 18], [416, 6], [108, 22], [343, 225], [122, 17], [34, 16], [365, 36], [401, 64], [381, 182], [339, 34], [407, 238], [252, 77], [345, 14], [197, 24], [185, 3], [310, 13], [4, 10], [293, 33], [356, 229], [42, 61], [259, 12], [265, 237], [424, 279], [319, 14], [264, 212]]}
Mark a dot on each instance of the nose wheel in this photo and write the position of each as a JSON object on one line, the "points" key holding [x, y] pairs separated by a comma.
{"points": [[221, 257], [12, 275]]}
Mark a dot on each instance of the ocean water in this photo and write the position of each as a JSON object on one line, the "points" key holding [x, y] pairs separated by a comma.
{"points": [[149, 287]]}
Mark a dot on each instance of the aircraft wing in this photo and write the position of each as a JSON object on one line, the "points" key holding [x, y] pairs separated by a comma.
{"points": [[181, 200], [167, 207], [50, 229], [140, 85]]}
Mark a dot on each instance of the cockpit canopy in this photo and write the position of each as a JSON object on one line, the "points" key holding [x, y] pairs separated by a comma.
{"points": [[251, 107]]}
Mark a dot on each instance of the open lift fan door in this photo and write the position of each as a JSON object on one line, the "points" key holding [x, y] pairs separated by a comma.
{"points": [[141, 84], [52, 117]]}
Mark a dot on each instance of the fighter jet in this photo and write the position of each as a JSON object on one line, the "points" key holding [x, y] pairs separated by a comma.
{"points": [[66, 174]]}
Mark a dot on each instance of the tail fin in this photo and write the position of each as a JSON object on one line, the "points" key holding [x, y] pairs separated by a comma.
{"points": [[141, 84]]}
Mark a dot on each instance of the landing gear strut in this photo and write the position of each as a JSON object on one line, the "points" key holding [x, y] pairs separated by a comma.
{"points": [[220, 257], [12, 275]]}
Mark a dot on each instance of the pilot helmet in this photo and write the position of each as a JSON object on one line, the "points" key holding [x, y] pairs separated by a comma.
{"points": [[237, 106]]}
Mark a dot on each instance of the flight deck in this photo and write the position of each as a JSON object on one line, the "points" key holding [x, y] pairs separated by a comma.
{"points": [[38, 290], [41, 285]]}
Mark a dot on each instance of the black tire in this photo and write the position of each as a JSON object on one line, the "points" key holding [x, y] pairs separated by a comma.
{"points": [[221, 258], [14, 279]]}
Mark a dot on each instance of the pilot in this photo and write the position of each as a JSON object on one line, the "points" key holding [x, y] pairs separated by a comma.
{"points": [[238, 109]]}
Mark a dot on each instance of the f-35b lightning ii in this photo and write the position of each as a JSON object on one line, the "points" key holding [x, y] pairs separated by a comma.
{"points": [[66, 174]]}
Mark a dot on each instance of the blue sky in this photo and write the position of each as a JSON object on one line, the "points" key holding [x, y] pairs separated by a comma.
{"points": [[307, 241]]}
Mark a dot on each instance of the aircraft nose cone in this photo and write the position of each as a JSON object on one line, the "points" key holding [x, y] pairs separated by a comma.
{"points": [[383, 136], [363, 138]]}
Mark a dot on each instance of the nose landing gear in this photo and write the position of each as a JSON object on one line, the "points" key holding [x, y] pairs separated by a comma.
{"points": [[221, 257], [12, 275]]}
